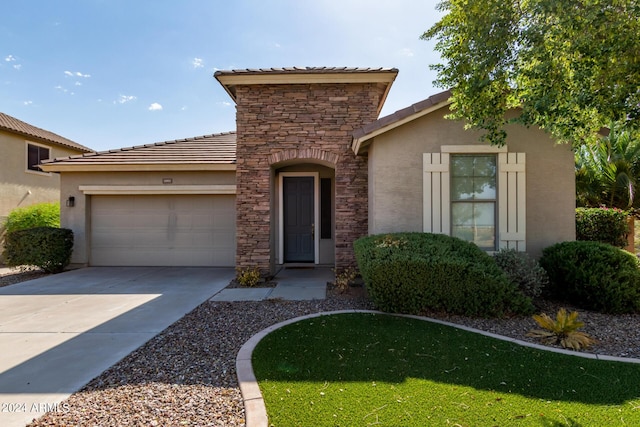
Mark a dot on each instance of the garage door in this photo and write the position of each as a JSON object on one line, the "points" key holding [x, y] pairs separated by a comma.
{"points": [[163, 230]]}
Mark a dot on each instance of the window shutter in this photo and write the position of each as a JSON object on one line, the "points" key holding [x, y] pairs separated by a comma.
{"points": [[512, 201], [436, 196]]}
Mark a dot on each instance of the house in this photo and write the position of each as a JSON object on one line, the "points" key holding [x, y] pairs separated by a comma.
{"points": [[309, 169], [23, 146]]}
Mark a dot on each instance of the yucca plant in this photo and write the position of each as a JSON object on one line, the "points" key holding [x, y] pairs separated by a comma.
{"points": [[563, 330]]}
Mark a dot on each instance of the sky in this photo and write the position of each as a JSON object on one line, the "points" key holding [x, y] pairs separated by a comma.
{"points": [[109, 74]]}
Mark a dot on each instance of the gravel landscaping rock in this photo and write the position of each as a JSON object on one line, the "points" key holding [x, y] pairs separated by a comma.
{"points": [[186, 375], [12, 276]]}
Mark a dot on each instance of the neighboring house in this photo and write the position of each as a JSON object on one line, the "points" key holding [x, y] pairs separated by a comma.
{"points": [[310, 169], [22, 147]]}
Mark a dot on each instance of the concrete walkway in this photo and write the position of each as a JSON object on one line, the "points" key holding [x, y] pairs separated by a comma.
{"points": [[59, 332], [293, 283]]}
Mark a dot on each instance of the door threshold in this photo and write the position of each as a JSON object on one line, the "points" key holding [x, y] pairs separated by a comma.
{"points": [[300, 265]]}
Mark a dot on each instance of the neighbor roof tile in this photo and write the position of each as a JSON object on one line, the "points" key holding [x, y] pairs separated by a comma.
{"points": [[14, 125]]}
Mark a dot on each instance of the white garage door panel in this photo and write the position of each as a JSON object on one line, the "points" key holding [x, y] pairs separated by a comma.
{"points": [[177, 230]]}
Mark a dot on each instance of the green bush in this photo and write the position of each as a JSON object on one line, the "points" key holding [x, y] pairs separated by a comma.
{"points": [[414, 272], [45, 247], [602, 225], [248, 277], [38, 215], [522, 270], [593, 275]]}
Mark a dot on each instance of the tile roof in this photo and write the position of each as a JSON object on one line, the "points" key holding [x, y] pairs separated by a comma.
{"points": [[386, 123], [403, 114], [11, 124], [304, 70], [230, 79], [218, 148]]}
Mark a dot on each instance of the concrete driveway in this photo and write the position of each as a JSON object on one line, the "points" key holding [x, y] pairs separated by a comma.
{"points": [[59, 332]]}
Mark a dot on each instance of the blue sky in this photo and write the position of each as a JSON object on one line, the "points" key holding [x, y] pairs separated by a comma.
{"points": [[117, 73]]}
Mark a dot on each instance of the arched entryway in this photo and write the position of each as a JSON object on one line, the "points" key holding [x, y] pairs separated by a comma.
{"points": [[303, 203]]}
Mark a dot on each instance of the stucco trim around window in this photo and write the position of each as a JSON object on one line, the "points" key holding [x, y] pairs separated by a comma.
{"points": [[156, 189]]}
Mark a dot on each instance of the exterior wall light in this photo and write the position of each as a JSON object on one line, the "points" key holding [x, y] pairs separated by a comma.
{"points": [[71, 202]]}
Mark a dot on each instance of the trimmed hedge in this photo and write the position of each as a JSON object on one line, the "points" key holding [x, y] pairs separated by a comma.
{"points": [[45, 247], [603, 225], [413, 272], [594, 276], [38, 215]]}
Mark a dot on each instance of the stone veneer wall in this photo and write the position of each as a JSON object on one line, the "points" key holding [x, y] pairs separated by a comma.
{"points": [[300, 121]]}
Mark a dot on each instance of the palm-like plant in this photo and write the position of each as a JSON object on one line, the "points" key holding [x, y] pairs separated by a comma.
{"points": [[563, 330], [608, 172]]}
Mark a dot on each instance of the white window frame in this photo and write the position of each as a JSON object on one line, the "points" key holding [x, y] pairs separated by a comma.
{"points": [[511, 196], [493, 201]]}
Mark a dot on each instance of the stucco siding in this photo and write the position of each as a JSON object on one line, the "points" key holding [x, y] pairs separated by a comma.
{"points": [[395, 171], [19, 187]]}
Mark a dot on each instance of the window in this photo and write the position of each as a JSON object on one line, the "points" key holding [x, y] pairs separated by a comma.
{"points": [[477, 193], [325, 208], [473, 199], [35, 154]]}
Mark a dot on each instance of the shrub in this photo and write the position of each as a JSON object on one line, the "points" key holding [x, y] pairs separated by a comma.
{"points": [[593, 275], [38, 215], [522, 270], [414, 272], [344, 278], [248, 277], [45, 247], [563, 330], [602, 225]]}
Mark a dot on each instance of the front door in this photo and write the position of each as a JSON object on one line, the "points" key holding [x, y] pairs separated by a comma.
{"points": [[298, 217]]}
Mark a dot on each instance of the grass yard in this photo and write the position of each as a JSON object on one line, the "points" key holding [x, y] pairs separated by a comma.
{"points": [[362, 369]]}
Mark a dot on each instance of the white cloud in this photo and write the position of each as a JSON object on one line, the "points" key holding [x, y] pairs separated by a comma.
{"points": [[78, 83], [155, 107], [123, 99], [76, 74], [183, 108], [197, 63], [406, 52], [27, 102], [11, 58], [224, 103], [61, 89]]}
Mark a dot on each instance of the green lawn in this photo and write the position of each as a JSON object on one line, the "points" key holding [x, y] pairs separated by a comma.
{"points": [[375, 369]]}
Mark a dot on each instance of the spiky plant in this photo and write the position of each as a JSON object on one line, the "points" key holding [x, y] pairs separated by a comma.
{"points": [[563, 330]]}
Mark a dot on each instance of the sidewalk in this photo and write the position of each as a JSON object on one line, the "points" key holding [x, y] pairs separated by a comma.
{"points": [[294, 284]]}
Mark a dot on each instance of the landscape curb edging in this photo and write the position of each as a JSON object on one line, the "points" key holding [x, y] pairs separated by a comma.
{"points": [[255, 410]]}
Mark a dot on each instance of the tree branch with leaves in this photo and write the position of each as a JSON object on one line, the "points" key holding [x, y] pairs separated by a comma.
{"points": [[570, 67]]}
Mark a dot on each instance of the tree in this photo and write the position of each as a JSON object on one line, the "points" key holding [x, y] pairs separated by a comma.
{"points": [[608, 171], [567, 66]]}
